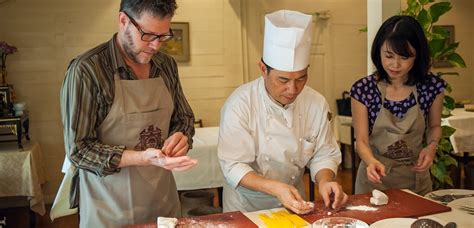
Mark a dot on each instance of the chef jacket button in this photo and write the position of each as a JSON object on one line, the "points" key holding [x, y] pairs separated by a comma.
{"points": [[269, 138], [300, 139], [267, 159], [292, 160], [293, 177]]}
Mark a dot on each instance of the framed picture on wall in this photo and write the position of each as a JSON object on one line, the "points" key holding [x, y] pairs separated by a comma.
{"points": [[178, 46], [444, 62]]}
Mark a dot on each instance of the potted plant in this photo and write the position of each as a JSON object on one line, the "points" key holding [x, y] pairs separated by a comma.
{"points": [[428, 12]]}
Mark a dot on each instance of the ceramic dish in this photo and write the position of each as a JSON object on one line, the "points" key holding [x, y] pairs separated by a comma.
{"points": [[449, 191], [393, 222], [339, 222], [468, 201]]}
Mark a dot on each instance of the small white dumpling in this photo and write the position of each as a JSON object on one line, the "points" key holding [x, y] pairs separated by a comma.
{"points": [[165, 222], [378, 198]]}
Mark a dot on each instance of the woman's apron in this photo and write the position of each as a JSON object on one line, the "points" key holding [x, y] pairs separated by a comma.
{"points": [[282, 156], [139, 119], [396, 143]]}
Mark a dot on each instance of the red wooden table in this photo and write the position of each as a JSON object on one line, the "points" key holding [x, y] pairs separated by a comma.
{"points": [[401, 204]]}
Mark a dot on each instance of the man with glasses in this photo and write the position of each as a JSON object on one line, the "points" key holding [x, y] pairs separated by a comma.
{"points": [[126, 122]]}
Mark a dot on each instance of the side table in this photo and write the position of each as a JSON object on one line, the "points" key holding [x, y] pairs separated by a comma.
{"points": [[22, 175], [16, 125]]}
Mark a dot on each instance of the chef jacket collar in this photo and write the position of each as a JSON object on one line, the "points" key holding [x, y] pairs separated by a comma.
{"points": [[269, 99], [273, 107]]}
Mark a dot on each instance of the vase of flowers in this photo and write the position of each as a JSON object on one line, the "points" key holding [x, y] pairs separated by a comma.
{"points": [[5, 50]]}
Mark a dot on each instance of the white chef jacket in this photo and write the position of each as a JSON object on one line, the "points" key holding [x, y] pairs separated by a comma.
{"points": [[257, 134]]}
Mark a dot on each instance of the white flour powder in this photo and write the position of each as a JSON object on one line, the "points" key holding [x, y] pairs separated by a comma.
{"points": [[361, 208]]}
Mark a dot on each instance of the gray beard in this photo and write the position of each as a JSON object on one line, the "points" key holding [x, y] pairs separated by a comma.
{"points": [[128, 47]]}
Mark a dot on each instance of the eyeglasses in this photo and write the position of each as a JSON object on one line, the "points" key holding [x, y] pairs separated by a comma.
{"points": [[149, 37]]}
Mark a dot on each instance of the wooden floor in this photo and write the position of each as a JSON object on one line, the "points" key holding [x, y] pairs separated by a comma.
{"points": [[19, 217]]}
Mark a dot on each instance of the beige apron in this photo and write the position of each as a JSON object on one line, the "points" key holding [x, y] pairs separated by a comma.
{"points": [[396, 143], [139, 119]]}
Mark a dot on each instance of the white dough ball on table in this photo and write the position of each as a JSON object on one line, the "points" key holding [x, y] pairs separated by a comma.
{"points": [[165, 222], [378, 198]]}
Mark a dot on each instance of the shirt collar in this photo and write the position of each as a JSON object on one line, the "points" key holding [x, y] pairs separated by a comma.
{"points": [[116, 56], [275, 109]]}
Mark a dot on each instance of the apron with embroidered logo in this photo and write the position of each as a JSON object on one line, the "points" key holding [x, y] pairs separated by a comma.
{"points": [[396, 143], [139, 119]]}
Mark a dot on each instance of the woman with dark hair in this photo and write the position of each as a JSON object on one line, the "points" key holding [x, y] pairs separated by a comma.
{"points": [[394, 108]]}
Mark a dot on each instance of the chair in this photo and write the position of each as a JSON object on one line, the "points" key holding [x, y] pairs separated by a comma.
{"points": [[353, 161], [311, 185], [198, 123]]}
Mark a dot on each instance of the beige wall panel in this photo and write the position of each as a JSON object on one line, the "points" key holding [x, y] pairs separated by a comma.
{"points": [[204, 60], [349, 44], [211, 81], [49, 134], [207, 42], [46, 110], [316, 78], [200, 71], [204, 93], [208, 111], [85, 40], [20, 76], [27, 39]]}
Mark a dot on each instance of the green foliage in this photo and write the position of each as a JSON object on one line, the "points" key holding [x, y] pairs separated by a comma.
{"points": [[428, 12], [443, 159]]}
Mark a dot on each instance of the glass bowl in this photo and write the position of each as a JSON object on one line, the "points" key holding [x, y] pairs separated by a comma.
{"points": [[339, 222]]}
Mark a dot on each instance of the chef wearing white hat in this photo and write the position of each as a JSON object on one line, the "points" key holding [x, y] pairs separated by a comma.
{"points": [[274, 126]]}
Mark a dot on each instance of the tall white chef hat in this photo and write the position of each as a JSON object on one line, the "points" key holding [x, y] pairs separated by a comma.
{"points": [[287, 40]]}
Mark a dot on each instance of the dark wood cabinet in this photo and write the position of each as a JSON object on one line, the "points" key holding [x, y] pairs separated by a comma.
{"points": [[14, 126]]}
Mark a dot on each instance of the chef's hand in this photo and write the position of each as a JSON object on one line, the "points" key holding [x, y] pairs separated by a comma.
{"points": [[332, 192], [425, 159], [152, 156], [290, 198], [375, 170], [176, 145]]}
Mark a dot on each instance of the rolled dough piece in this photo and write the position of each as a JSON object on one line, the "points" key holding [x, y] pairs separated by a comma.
{"points": [[378, 198], [165, 222]]}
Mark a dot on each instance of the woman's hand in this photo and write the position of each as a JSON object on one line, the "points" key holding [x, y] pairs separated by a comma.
{"points": [[375, 170], [425, 159]]}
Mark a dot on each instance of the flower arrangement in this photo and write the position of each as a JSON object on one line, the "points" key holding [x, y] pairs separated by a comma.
{"points": [[5, 49]]}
